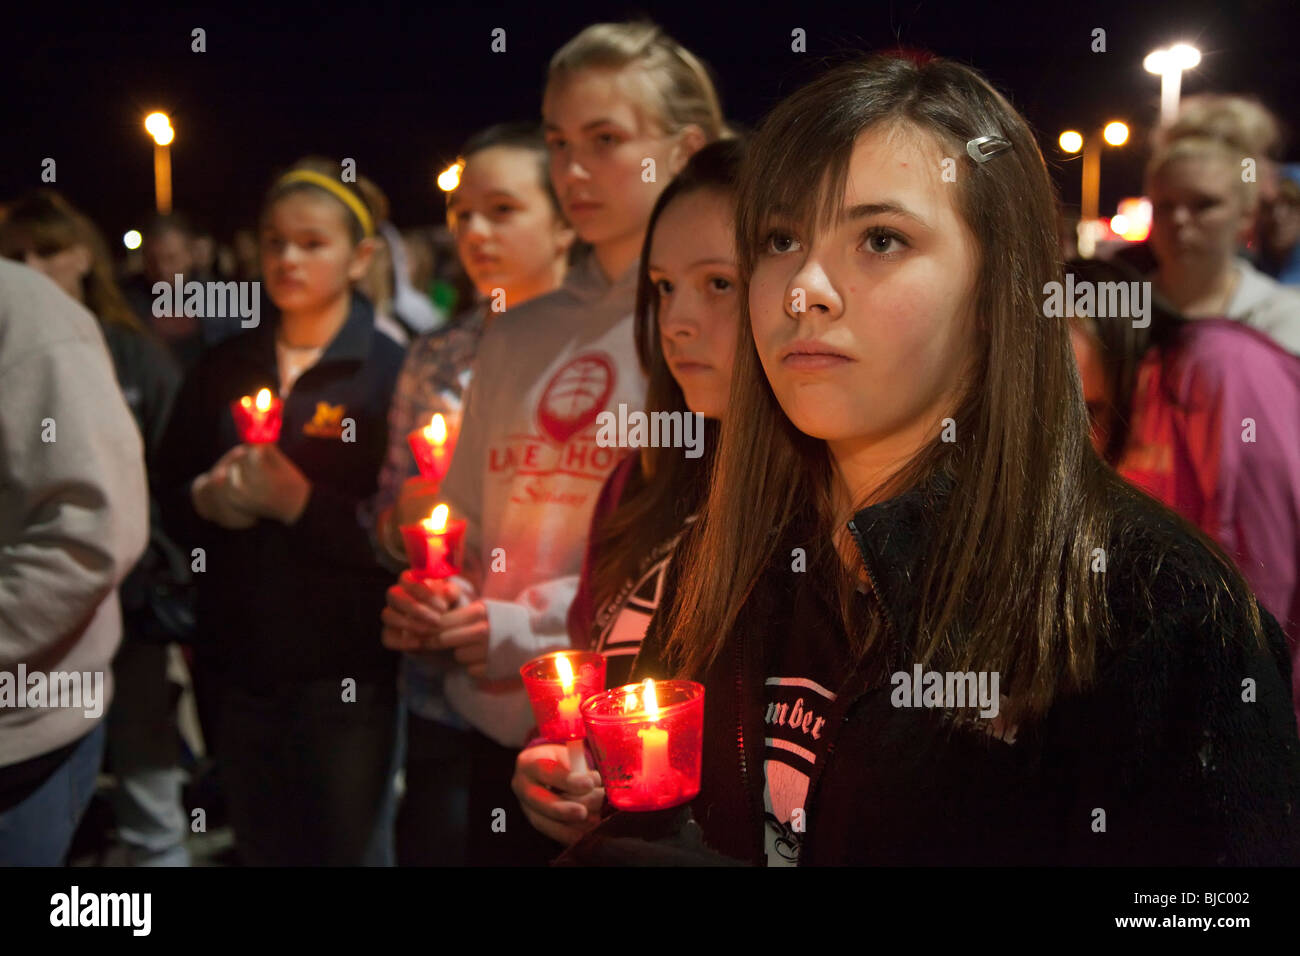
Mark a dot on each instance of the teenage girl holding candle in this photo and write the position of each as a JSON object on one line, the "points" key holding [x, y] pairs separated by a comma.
{"points": [[514, 243], [290, 587], [625, 106], [905, 484], [687, 318]]}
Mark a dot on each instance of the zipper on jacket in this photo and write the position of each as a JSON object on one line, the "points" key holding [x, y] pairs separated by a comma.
{"points": [[852, 690], [740, 744]]}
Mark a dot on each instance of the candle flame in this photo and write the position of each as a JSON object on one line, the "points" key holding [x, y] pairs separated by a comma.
{"points": [[648, 696], [263, 400], [436, 430], [565, 670], [437, 520]]}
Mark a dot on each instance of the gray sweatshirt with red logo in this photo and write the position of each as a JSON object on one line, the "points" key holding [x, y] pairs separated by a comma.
{"points": [[527, 471]]}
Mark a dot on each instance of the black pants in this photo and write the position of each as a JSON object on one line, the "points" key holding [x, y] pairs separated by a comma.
{"points": [[431, 820]]}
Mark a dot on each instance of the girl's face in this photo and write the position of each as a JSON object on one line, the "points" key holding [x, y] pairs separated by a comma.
{"points": [[600, 132], [865, 330], [1198, 213], [308, 257], [508, 233], [693, 268]]}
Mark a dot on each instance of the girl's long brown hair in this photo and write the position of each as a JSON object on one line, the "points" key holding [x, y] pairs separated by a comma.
{"points": [[47, 220], [1006, 584], [668, 487]]}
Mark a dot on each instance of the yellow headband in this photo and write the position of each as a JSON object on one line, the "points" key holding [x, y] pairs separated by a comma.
{"points": [[345, 196]]}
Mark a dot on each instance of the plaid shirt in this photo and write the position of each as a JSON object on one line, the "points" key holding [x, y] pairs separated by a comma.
{"points": [[434, 378]]}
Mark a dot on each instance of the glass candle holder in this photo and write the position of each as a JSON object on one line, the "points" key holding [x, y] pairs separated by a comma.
{"points": [[555, 705], [258, 419], [432, 447], [647, 742], [434, 546]]}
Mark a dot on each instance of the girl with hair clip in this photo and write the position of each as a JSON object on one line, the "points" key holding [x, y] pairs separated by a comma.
{"points": [[514, 243], [687, 316], [624, 108], [1203, 209], [996, 651], [307, 702]]}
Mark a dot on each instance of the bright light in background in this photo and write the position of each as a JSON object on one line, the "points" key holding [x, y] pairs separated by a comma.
{"points": [[132, 239], [160, 128], [155, 123], [1180, 56], [1115, 133], [1169, 66], [1071, 141], [1132, 219], [449, 178], [1184, 56]]}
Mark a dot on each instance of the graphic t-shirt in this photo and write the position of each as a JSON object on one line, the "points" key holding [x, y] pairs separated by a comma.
{"points": [[807, 661], [622, 623]]}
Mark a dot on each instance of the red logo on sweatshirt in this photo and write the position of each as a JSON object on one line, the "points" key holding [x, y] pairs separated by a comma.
{"points": [[575, 395]]}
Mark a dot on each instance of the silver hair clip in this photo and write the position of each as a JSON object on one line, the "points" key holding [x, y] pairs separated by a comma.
{"points": [[984, 148]]}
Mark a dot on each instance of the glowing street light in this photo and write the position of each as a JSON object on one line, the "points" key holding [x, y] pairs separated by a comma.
{"points": [[449, 178], [1113, 133], [132, 239], [1169, 65], [159, 126]]}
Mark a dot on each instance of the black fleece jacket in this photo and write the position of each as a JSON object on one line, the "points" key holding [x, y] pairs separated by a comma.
{"points": [[283, 603], [1160, 762]]}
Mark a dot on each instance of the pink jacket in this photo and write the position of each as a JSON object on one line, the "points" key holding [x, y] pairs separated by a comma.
{"points": [[1216, 437]]}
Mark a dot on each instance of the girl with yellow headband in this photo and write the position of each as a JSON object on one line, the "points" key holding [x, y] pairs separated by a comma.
{"points": [[302, 693]]}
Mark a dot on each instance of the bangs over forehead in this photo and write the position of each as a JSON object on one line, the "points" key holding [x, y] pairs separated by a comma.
{"points": [[799, 163]]}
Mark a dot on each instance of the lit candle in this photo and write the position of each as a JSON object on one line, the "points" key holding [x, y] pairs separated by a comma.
{"points": [[433, 544], [656, 772], [432, 446], [557, 684], [569, 714], [258, 419], [648, 753]]}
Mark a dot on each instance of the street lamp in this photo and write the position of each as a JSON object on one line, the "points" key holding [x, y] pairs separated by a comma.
{"points": [[1113, 133], [1169, 65], [160, 128]]}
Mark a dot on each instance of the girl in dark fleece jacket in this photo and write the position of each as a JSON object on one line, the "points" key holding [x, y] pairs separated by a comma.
{"points": [[933, 627]]}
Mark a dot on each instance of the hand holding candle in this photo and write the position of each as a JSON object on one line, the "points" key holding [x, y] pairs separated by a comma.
{"points": [[258, 419], [433, 546], [432, 446]]}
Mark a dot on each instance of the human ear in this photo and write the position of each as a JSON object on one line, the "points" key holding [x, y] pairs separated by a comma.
{"points": [[689, 141], [359, 264]]}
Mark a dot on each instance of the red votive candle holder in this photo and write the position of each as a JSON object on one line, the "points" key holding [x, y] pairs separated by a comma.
{"points": [[434, 545], [557, 684], [258, 419], [432, 447], [647, 740]]}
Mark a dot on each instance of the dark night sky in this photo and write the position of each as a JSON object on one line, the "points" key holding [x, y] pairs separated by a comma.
{"points": [[399, 89]]}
